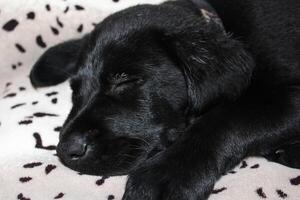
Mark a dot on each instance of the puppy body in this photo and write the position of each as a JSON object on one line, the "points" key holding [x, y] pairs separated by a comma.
{"points": [[165, 94]]}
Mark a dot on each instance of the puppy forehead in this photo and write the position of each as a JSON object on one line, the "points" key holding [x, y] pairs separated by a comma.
{"points": [[121, 24], [113, 58], [99, 69], [122, 43]]}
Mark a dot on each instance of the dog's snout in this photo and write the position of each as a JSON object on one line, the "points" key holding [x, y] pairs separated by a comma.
{"points": [[73, 149], [76, 151]]}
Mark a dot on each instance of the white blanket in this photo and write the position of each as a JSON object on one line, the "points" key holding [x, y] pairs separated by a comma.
{"points": [[30, 119]]}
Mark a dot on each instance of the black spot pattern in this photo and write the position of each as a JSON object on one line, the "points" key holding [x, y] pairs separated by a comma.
{"points": [[295, 181], [10, 95], [57, 129], [59, 196], [54, 30], [21, 197], [54, 100], [67, 9], [15, 66], [25, 122], [78, 7], [20, 48], [51, 94], [17, 105], [32, 165], [244, 164], [80, 28], [39, 143], [216, 191], [41, 114], [34, 102], [40, 42], [281, 194], [49, 168], [60, 24], [10, 25], [48, 8], [31, 15], [261, 193], [25, 179], [255, 166], [101, 181]]}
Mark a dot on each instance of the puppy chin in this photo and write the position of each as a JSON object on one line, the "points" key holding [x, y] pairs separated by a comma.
{"points": [[97, 169], [111, 167]]}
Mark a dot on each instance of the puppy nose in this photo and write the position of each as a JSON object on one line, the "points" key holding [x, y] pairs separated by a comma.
{"points": [[76, 150], [73, 149]]}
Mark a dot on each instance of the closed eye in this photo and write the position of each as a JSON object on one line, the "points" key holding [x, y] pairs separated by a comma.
{"points": [[120, 83], [125, 85], [127, 82]]}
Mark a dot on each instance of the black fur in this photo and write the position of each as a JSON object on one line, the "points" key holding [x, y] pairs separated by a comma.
{"points": [[166, 94], [56, 65]]}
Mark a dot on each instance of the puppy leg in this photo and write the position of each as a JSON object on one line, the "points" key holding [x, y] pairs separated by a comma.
{"points": [[287, 154], [215, 144], [56, 65]]}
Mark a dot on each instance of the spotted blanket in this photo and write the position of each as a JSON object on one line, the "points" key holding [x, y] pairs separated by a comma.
{"points": [[30, 119]]}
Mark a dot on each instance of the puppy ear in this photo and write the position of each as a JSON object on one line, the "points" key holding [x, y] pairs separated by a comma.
{"points": [[216, 67], [57, 64]]}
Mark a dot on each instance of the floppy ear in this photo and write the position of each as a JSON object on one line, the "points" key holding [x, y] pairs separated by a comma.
{"points": [[214, 71], [216, 67], [57, 64]]}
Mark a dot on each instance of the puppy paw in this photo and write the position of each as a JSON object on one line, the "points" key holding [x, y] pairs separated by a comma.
{"points": [[162, 182], [142, 186]]}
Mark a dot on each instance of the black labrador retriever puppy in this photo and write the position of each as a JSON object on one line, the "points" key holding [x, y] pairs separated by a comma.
{"points": [[177, 94]]}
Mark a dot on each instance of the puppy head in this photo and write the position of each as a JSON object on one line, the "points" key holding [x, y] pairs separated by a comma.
{"points": [[126, 96], [140, 77]]}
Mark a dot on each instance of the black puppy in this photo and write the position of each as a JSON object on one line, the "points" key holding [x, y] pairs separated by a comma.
{"points": [[164, 93]]}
